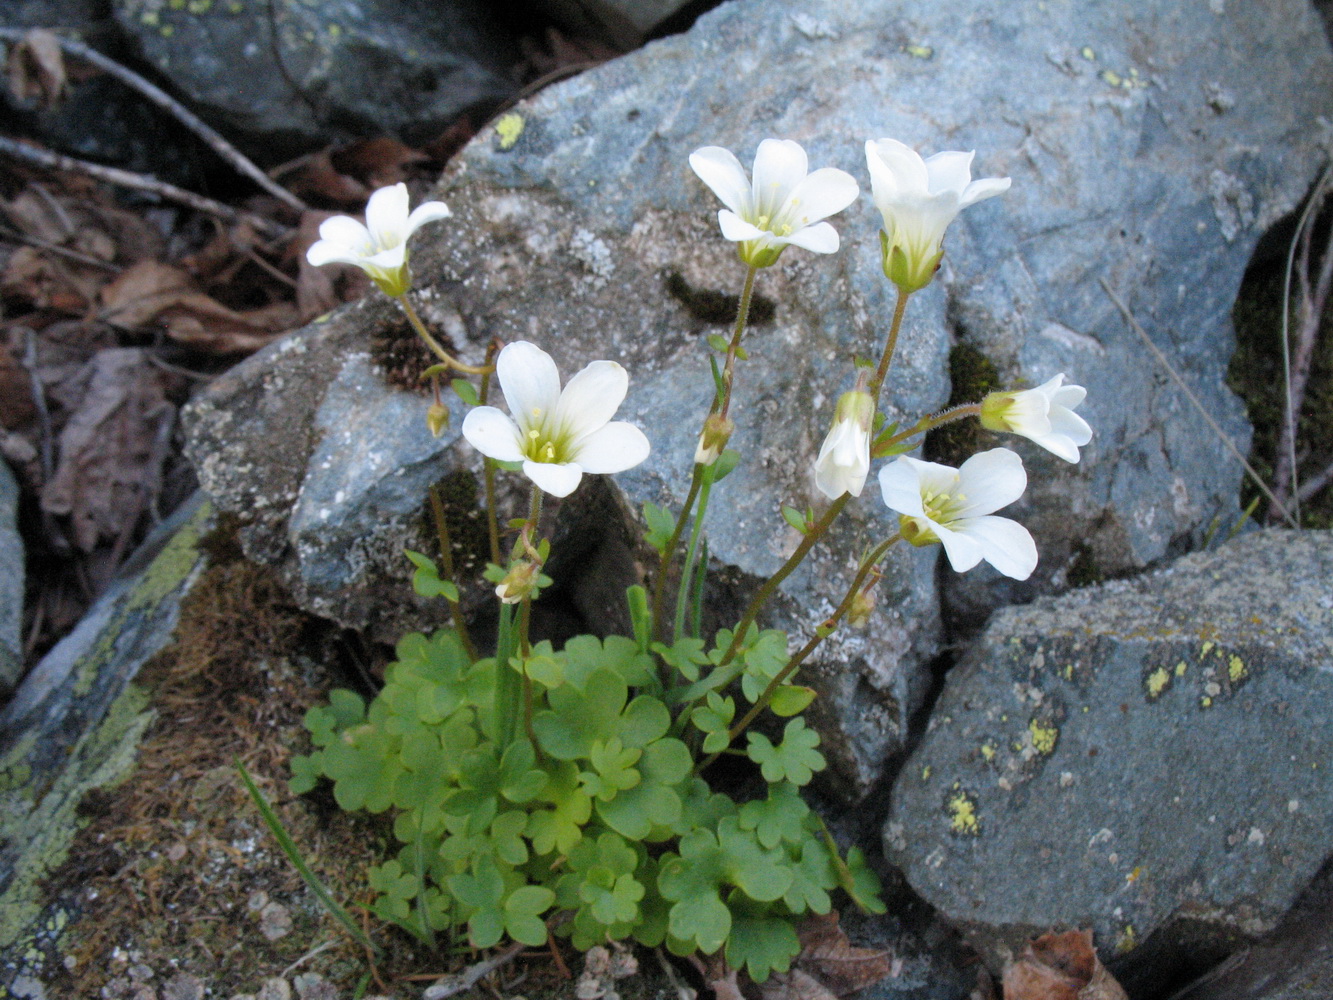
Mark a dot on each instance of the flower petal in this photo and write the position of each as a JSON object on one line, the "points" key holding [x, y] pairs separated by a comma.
{"points": [[821, 238], [779, 166], [557, 480], [983, 188], [990, 480], [896, 168], [590, 399], [493, 434], [1058, 445], [323, 252], [950, 170], [1069, 424], [736, 229], [964, 551], [1005, 544], [530, 382], [386, 215], [347, 231], [614, 448], [1069, 396], [902, 483], [426, 212], [825, 192], [724, 175]]}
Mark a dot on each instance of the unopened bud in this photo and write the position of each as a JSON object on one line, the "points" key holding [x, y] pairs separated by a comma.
{"points": [[858, 615], [437, 419], [716, 433], [518, 582]]}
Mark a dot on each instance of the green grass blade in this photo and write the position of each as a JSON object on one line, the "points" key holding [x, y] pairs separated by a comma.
{"points": [[293, 853]]}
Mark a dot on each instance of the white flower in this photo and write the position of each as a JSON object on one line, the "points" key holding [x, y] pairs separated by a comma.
{"points": [[844, 457], [954, 507], [380, 246], [557, 435], [918, 199], [1044, 415], [784, 204]]}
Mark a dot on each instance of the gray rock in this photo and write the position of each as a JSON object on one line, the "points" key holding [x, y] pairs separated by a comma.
{"points": [[11, 583], [73, 725], [1144, 758], [622, 23], [1295, 962], [285, 77], [579, 225]]}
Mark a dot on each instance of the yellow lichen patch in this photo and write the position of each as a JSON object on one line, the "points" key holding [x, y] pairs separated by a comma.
{"points": [[988, 751], [1087, 53], [1127, 940], [1157, 682], [925, 773], [1236, 669], [509, 128], [1044, 736], [1205, 702], [963, 815], [1205, 649], [1181, 667], [199, 6], [919, 51]]}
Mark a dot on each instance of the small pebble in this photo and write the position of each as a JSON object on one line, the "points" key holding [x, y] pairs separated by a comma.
{"points": [[183, 986], [275, 988], [313, 986], [275, 921]]}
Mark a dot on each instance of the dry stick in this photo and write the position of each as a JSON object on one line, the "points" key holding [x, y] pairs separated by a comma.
{"points": [[453, 985], [39, 157], [173, 107], [56, 248], [1194, 400], [1299, 364]]}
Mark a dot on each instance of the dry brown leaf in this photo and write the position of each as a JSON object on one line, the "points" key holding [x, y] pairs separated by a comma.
{"points": [[16, 403], [377, 163], [318, 180], [794, 985], [1060, 967], [985, 988], [843, 967], [155, 293], [110, 452], [47, 282], [36, 68]]}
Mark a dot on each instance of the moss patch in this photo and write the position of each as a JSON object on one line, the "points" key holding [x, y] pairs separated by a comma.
{"points": [[971, 376]]}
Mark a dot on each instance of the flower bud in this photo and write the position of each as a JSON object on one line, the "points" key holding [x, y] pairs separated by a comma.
{"points": [[1044, 415], [716, 433], [844, 457], [518, 582], [858, 615], [437, 419]]}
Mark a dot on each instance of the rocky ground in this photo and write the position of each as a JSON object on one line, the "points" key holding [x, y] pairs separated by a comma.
{"points": [[1131, 744]]}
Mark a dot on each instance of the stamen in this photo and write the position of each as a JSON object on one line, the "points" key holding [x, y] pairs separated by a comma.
{"points": [[548, 452], [533, 435]]}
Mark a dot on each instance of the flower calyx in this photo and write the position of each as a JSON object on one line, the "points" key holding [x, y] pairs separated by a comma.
{"points": [[713, 439], [1044, 415]]}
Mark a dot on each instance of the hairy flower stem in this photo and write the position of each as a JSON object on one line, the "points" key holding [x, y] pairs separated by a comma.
{"points": [[488, 464], [723, 404], [447, 560], [687, 571], [669, 551], [880, 448], [434, 345], [826, 629], [816, 531]]}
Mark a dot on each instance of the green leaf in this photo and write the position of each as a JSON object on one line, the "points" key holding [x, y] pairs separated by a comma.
{"points": [[397, 889], [691, 881], [560, 827], [578, 717], [655, 801], [812, 876], [306, 772], [522, 914], [795, 518], [584, 655], [795, 759], [466, 391], [714, 720], [520, 778], [764, 659], [791, 699], [763, 874], [686, 656], [426, 580], [661, 526], [613, 769], [364, 765], [859, 882], [725, 464], [762, 944], [718, 343], [344, 710], [780, 817]]}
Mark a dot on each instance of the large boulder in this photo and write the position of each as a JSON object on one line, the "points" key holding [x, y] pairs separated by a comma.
{"points": [[1147, 759], [11, 582], [283, 77], [1150, 145]]}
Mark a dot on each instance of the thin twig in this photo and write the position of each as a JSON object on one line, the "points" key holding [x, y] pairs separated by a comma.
{"points": [[163, 100], [453, 985], [1194, 400], [56, 248], [307, 957], [37, 156], [1314, 484]]}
